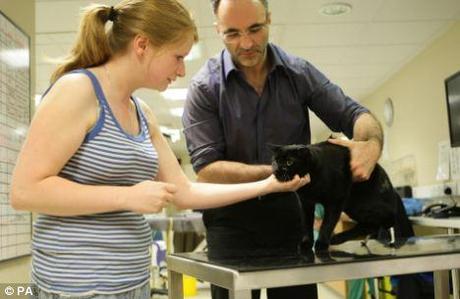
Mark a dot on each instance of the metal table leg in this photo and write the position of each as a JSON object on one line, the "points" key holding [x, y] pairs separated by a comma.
{"points": [[239, 294], [454, 272], [441, 284], [455, 282], [175, 287], [455, 287]]}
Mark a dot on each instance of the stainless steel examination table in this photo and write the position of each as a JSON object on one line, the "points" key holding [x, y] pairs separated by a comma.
{"points": [[350, 260]]}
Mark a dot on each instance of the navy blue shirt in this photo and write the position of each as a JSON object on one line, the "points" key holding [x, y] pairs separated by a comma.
{"points": [[225, 119]]}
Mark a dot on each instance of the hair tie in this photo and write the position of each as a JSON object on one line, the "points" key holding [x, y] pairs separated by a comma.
{"points": [[112, 14]]}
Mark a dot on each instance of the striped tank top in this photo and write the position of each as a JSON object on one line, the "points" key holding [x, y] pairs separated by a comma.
{"points": [[102, 253]]}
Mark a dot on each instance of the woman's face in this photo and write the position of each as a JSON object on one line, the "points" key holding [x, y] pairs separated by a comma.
{"points": [[167, 63]]}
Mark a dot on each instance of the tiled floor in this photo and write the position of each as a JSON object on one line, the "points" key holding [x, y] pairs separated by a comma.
{"points": [[323, 293]]}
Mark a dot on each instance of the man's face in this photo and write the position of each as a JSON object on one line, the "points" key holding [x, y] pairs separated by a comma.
{"points": [[243, 26]]}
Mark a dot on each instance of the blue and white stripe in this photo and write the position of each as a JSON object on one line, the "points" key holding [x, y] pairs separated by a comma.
{"points": [[103, 253]]}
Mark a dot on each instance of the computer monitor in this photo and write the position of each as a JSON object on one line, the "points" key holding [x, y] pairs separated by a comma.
{"points": [[452, 85]]}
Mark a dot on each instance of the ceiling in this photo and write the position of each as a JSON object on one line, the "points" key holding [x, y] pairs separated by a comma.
{"points": [[359, 50]]}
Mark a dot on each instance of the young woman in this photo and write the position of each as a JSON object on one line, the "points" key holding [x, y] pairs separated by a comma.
{"points": [[94, 159]]}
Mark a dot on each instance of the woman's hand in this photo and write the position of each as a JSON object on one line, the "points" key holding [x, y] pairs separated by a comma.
{"points": [[276, 186], [148, 196]]}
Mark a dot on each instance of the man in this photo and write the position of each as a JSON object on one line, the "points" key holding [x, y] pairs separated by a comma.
{"points": [[250, 95]]}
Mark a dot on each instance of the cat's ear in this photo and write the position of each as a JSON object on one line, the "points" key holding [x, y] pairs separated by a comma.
{"points": [[274, 147], [304, 152]]}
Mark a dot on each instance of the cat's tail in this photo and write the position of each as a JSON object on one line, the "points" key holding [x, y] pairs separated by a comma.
{"points": [[403, 226]]}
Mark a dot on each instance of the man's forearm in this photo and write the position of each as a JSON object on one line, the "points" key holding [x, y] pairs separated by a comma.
{"points": [[368, 128], [228, 172]]}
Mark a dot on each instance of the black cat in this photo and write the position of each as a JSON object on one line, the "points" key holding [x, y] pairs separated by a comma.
{"points": [[373, 204]]}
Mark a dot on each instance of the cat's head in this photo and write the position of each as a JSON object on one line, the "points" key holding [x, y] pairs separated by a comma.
{"points": [[289, 160]]}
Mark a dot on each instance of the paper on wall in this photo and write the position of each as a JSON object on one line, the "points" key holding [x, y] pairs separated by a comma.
{"points": [[444, 153], [455, 163]]}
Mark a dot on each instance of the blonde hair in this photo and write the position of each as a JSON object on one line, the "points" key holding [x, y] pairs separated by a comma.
{"points": [[215, 5], [163, 22]]}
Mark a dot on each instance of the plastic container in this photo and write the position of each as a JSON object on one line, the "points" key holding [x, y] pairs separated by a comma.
{"points": [[189, 286]]}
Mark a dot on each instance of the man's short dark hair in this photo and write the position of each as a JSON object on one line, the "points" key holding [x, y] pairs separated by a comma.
{"points": [[215, 5]]}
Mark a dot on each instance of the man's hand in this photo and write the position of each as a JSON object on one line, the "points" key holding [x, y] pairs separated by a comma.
{"points": [[364, 156]]}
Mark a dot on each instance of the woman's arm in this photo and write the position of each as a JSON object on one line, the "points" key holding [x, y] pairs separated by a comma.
{"points": [[58, 128], [204, 195]]}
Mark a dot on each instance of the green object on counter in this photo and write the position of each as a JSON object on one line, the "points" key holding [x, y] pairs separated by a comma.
{"points": [[356, 288]]}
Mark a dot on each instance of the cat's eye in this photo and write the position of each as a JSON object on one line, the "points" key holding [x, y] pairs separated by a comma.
{"points": [[289, 162]]}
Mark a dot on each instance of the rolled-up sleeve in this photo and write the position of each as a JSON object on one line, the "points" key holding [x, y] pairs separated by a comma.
{"points": [[327, 100], [202, 128]]}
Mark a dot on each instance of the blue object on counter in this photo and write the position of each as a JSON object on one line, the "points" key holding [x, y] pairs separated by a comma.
{"points": [[413, 206]]}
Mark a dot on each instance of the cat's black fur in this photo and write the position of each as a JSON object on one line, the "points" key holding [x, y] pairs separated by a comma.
{"points": [[373, 204]]}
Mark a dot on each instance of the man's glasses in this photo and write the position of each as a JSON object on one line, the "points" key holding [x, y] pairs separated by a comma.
{"points": [[232, 36]]}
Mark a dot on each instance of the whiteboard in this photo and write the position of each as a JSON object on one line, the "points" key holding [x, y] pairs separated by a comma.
{"points": [[15, 227]]}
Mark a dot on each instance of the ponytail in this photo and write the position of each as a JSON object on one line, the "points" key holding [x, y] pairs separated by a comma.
{"points": [[92, 46], [164, 22]]}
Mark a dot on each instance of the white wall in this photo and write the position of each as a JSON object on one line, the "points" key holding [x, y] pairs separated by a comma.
{"points": [[418, 95]]}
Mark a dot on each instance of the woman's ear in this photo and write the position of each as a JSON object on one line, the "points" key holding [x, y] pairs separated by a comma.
{"points": [[140, 45]]}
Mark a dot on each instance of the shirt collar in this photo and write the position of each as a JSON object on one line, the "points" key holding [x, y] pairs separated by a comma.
{"points": [[228, 64], [273, 55]]}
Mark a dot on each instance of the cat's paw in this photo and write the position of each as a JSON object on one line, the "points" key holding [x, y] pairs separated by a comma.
{"points": [[306, 254], [305, 249], [305, 246], [396, 243], [321, 246], [324, 255]]}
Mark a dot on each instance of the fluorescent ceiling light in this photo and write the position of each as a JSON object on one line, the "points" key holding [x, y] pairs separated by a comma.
{"points": [[335, 9], [195, 53], [177, 111], [175, 94], [17, 58]]}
